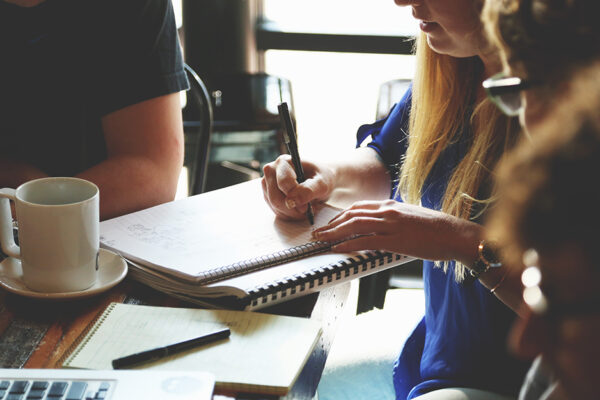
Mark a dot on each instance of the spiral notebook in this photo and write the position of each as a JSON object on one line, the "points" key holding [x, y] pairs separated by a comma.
{"points": [[264, 354], [227, 249]]}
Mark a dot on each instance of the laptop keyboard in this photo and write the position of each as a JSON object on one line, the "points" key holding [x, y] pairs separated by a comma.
{"points": [[54, 389]]}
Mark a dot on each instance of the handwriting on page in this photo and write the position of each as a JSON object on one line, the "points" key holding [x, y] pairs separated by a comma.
{"points": [[163, 236], [205, 232]]}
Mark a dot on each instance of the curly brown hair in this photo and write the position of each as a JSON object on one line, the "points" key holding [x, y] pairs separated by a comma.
{"points": [[545, 39], [549, 193]]}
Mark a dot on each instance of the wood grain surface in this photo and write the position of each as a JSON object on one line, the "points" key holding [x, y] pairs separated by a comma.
{"points": [[37, 333]]}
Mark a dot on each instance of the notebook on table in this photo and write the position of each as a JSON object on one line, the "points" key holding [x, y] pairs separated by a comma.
{"points": [[264, 353], [227, 249], [61, 384]]}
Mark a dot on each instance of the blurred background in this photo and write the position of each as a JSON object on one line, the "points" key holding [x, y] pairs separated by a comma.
{"points": [[328, 58]]}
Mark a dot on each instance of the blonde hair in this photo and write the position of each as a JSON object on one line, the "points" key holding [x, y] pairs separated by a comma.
{"points": [[444, 95]]}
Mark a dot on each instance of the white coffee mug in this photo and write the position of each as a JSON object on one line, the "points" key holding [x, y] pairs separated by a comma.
{"points": [[59, 229]]}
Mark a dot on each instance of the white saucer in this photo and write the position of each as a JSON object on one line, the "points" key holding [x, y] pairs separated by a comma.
{"points": [[112, 268]]}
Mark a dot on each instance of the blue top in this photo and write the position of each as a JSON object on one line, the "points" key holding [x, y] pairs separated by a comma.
{"points": [[461, 340]]}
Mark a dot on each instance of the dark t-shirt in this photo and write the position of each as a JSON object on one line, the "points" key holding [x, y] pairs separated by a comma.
{"points": [[66, 63]]}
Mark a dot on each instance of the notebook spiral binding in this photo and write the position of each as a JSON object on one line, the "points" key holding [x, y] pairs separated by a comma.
{"points": [[86, 335], [319, 276], [267, 261]]}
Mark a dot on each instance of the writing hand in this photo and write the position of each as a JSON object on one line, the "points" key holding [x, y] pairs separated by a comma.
{"points": [[286, 197]]}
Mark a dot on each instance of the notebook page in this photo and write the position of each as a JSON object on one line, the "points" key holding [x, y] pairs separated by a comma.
{"points": [[208, 231], [263, 350]]}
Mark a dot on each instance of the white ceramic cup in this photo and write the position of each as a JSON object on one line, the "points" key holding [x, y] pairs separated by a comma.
{"points": [[59, 228]]}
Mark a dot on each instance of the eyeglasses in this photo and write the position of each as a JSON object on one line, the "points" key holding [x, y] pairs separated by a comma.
{"points": [[539, 302], [505, 92]]}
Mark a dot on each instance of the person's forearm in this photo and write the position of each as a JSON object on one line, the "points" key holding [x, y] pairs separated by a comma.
{"points": [[360, 175], [131, 183], [14, 173], [466, 237], [506, 285], [145, 149]]}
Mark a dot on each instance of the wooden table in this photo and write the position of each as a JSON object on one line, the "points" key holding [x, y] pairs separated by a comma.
{"points": [[36, 334]]}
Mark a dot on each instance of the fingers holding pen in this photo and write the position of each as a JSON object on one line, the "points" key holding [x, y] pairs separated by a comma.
{"points": [[304, 193], [276, 183], [286, 197], [274, 200], [318, 185], [284, 175]]}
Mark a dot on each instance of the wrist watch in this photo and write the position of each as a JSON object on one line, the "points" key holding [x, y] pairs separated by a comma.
{"points": [[488, 258]]}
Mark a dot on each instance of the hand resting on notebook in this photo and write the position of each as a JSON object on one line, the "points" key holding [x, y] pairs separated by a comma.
{"points": [[401, 228]]}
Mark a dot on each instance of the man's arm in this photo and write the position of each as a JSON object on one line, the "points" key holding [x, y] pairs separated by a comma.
{"points": [[13, 173], [145, 153], [144, 144]]}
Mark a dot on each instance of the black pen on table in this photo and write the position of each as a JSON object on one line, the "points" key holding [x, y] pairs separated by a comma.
{"points": [[289, 137], [165, 351]]}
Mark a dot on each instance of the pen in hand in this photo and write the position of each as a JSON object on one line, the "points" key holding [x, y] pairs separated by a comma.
{"points": [[165, 351], [289, 137]]}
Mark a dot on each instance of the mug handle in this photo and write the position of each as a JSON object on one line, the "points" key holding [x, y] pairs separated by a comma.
{"points": [[7, 239]]}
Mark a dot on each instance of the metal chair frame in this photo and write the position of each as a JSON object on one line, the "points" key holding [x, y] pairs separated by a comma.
{"points": [[197, 130]]}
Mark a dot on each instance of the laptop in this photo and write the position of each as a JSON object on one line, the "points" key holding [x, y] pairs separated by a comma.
{"points": [[74, 384]]}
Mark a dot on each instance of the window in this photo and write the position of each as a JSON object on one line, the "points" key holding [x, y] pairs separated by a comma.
{"points": [[379, 17], [334, 92]]}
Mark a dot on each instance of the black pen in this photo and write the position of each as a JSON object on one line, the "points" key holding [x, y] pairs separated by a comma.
{"points": [[289, 137], [165, 351]]}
